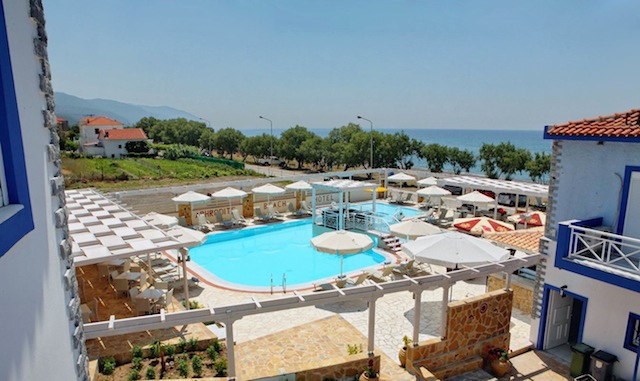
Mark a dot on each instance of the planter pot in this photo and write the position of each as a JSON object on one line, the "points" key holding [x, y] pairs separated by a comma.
{"points": [[500, 367], [364, 377], [402, 356]]}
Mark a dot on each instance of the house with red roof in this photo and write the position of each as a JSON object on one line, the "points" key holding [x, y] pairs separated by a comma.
{"points": [[112, 143], [588, 289], [90, 129]]}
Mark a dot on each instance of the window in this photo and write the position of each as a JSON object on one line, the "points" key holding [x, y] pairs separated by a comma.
{"points": [[16, 219], [632, 338], [119, 145], [96, 131]]}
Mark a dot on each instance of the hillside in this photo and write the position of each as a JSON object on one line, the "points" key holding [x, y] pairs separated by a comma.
{"points": [[74, 108]]}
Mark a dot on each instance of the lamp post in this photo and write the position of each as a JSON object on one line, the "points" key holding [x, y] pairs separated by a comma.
{"points": [[371, 123], [271, 140], [208, 124]]}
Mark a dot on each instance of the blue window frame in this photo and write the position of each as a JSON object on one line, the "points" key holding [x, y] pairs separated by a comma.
{"points": [[632, 338], [16, 219]]}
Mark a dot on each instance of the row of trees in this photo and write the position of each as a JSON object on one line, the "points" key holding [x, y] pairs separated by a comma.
{"points": [[348, 146]]}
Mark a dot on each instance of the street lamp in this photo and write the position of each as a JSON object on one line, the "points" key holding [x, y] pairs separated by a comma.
{"points": [[208, 124], [371, 123], [271, 140]]}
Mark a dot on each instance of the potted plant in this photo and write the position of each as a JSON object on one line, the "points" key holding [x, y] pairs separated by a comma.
{"points": [[402, 355], [369, 374], [498, 360]]}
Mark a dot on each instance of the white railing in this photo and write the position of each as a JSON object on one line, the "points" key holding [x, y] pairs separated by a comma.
{"points": [[616, 251], [362, 221]]}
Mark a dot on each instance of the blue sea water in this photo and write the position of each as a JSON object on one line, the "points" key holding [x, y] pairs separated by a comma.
{"points": [[471, 140]]}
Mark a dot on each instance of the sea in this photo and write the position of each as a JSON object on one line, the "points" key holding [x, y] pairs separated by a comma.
{"points": [[471, 140]]}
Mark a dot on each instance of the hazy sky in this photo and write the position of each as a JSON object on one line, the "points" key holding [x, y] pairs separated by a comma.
{"points": [[403, 64]]}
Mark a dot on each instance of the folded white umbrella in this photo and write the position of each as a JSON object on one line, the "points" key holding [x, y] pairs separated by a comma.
{"points": [[453, 249], [342, 242]]}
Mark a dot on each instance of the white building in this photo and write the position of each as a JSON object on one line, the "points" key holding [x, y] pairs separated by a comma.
{"points": [[41, 333], [90, 128], [589, 289], [112, 143]]}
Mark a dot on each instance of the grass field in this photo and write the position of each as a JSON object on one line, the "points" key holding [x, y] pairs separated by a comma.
{"points": [[110, 174]]}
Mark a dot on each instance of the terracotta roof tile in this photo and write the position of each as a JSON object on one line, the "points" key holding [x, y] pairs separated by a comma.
{"points": [[525, 239], [123, 134], [621, 125], [99, 121]]}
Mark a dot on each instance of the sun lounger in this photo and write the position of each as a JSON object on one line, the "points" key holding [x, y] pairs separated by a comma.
{"points": [[220, 220], [261, 217], [404, 268], [273, 213], [237, 218], [360, 280], [304, 207], [296, 213], [384, 275]]}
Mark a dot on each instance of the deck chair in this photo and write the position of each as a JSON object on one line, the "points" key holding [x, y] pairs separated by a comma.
{"points": [[161, 285], [273, 212], [237, 218], [202, 220], [304, 207], [166, 300], [126, 266], [260, 216], [360, 280], [384, 275], [133, 293], [407, 198], [293, 212], [143, 306], [220, 220], [122, 286], [404, 268]]}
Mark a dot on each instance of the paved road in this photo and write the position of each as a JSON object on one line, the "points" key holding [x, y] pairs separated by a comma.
{"points": [[271, 171]]}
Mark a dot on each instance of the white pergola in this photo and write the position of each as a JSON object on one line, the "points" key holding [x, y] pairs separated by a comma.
{"points": [[341, 186], [101, 230]]}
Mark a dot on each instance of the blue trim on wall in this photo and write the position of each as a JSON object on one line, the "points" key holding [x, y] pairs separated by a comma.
{"points": [[545, 308], [628, 171], [18, 225], [590, 138], [628, 337]]}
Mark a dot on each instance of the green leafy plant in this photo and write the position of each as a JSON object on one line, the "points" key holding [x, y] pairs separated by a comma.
{"points": [[369, 371], [170, 350], [192, 344], [136, 363], [217, 345], [220, 365], [496, 353], [151, 373], [133, 375], [212, 353], [406, 341], [158, 350], [196, 365], [108, 365], [183, 366], [353, 349], [182, 345], [136, 351]]}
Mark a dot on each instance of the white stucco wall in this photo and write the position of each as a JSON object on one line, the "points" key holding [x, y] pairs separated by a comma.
{"points": [[35, 331], [88, 134]]}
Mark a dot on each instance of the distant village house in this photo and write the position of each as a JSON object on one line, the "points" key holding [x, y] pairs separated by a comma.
{"points": [[101, 136]]}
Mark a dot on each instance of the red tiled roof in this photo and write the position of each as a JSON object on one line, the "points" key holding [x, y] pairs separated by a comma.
{"points": [[59, 119], [622, 125], [526, 239], [124, 134], [99, 121]]}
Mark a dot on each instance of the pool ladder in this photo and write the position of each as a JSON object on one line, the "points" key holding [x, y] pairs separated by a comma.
{"points": [[284, 283]]}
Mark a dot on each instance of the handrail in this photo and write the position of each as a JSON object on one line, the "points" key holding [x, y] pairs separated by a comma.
{"points": [[284, 282], [616, 251]]}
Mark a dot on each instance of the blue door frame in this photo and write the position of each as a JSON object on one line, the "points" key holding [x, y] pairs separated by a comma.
{"points": [[545, 311]]}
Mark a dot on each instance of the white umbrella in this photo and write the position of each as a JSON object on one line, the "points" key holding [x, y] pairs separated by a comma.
{"points": [[428, 181], [229, 193], [413, 228], [299, 186], [433, 191], [400, 177], [269, 190], [453, 249], [160, 220], [342, 242], [475, 198], [191, 197]]}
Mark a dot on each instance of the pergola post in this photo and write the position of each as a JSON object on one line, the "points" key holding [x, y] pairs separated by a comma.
{"points": [[184, 253], [372, 326], [444, 310], [313, 206], [231, 360], [341, 211], [507, 283], [417, 296]]}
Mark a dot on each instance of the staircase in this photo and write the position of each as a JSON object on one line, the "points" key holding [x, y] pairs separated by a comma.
{"points": [[390, 242]]}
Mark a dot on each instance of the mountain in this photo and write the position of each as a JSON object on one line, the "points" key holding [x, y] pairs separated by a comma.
{"points": [[74, 108]]}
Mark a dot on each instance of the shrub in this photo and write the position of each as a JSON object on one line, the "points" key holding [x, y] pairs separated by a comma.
{"points": [[108, 366], [136, 351], [221, 366], [196, 365], [136, 363], [133, 375], [151, 373], [155, 349], [217, 345], [182, 345], [183, 367], [193, 344], [212, 353], [170, 350], [353, 349]]}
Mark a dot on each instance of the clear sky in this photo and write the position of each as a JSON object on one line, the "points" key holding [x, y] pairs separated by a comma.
{"points": [[403, 64]]}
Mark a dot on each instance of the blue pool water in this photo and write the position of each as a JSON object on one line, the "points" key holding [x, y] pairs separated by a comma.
{"points": [[250, 257]]}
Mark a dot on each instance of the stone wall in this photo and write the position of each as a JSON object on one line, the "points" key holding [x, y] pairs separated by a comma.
{"points": [[334, 368], [472, 325], [522, 290]]}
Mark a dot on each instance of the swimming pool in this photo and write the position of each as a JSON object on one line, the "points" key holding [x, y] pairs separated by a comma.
{"points": [[389, 210], [252, 256]]}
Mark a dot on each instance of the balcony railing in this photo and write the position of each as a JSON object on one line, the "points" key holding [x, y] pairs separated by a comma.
{"points": [[597, 248], [355, 220]]}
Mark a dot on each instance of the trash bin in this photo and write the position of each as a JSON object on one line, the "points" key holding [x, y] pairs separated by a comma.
{"points": [[602, 365], [581, 353]]}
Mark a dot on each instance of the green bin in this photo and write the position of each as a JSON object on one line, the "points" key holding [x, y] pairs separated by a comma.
{"points": [[581, 354]]}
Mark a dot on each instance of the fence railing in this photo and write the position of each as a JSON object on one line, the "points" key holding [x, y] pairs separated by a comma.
{"points": [[613, 250]]}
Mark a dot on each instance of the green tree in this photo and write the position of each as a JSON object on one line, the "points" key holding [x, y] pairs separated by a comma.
{"points": [[290, 142], [436, 155], [461, 160], [313, 150], [207, 140], [489, 155], [228, 140], [539, 166], [137, 147]]}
